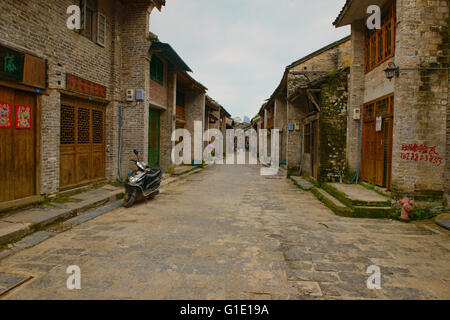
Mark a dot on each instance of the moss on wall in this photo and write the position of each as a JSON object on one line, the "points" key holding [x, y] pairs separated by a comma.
{"points": [[333, 124]]}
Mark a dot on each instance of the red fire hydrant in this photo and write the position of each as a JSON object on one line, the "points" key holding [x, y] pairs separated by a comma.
{"points": [[407, 206]]}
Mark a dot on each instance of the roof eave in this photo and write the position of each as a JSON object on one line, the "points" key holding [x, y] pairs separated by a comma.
{"points": [[170, 54]]}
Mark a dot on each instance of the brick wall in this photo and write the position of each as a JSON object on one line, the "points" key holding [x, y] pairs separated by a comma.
{"points": [[158, 93], [39, 28], [420, 93], [327, 60], [135, 73], [333, 125], [332, 59], [167, 123], [447, 168], [281, 123], [356, 94], [195, 110]]}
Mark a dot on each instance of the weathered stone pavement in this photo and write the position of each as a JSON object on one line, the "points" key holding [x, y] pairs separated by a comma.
{"points": [[228, 233]]}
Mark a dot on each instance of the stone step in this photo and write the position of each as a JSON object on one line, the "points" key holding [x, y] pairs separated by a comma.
{"points": [[340, 208], [355, 195], [20, 224], [373, 212], [302, 183], [331, 202], [443, 223]]}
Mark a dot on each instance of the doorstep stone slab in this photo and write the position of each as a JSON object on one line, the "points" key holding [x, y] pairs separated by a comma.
{"points": [[38, 217], [356, 192], [10, 231], [329, 197], [34, 239], [93, 194], [93, 214], [444, 224], [181, 170], [303, 183]]}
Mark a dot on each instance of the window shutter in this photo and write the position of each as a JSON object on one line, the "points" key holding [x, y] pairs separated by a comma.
{"points": [[101, 29], [83, 5]]}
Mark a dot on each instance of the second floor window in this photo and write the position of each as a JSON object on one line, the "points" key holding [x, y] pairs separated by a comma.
{"points": [[93, 22], [380, 43], [181, 99], [157, 70]]}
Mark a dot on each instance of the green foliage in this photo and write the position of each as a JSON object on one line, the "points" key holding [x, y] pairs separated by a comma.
{"points": [[426, 213]]}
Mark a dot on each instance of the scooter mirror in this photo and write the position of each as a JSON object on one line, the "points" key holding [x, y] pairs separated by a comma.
{"points": [[135, 152]]}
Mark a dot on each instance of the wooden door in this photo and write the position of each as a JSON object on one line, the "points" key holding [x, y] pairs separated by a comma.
{"points": [[154, 138], [368, 152], [376, 159], [380, 157], [82, 143], [18, 134]]}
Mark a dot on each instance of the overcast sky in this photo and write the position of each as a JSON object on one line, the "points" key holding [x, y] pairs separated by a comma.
{"points": [[239, 48]]}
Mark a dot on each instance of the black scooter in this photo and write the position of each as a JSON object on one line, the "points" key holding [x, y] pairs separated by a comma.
{"points": [[142, 183]]}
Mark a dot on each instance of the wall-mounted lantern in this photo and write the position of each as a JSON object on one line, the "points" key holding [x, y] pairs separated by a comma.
{"points": [[392, 71]]}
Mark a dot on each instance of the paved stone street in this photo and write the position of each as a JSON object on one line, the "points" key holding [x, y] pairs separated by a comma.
{"points": [[228, 233]]}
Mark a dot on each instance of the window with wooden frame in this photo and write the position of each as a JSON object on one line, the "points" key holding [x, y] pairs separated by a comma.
{"points": [[382, 107], [157, 70], [181, 99], [93, 23], [307, 138], [101, 29], [380, 43]]}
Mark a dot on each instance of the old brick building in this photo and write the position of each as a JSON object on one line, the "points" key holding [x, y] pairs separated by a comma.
{"points": [[309, 109], [404, 126], [65, 92], [217, 117]]}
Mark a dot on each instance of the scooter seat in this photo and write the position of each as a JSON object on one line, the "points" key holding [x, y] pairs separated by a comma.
{"points": [[154, 173]]}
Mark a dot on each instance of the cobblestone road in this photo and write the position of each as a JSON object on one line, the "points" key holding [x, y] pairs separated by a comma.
{"points": [[228, 233]]}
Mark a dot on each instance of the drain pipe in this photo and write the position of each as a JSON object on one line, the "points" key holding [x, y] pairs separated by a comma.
{"points": [[119, 160]]}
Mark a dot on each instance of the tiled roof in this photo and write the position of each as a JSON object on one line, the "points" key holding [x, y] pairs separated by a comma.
{"points": [[316, 53], [170, 54], [343, 10]]}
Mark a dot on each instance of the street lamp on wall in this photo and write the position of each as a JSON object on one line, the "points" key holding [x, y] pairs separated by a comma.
{"points": [[392, 71]]}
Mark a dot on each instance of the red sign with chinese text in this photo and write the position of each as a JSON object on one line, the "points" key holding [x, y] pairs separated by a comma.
{"points": [[415, 152], [77, 84]]}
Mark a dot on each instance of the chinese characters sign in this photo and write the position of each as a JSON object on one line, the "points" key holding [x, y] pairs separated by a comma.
{"points": [[5, 115], [11, 64], [422, 153], [77, 84], [23, 117]]}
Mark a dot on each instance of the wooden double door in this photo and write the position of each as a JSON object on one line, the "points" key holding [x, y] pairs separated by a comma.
{"points": [[19, 132], [376, 159], [82, 142]]}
